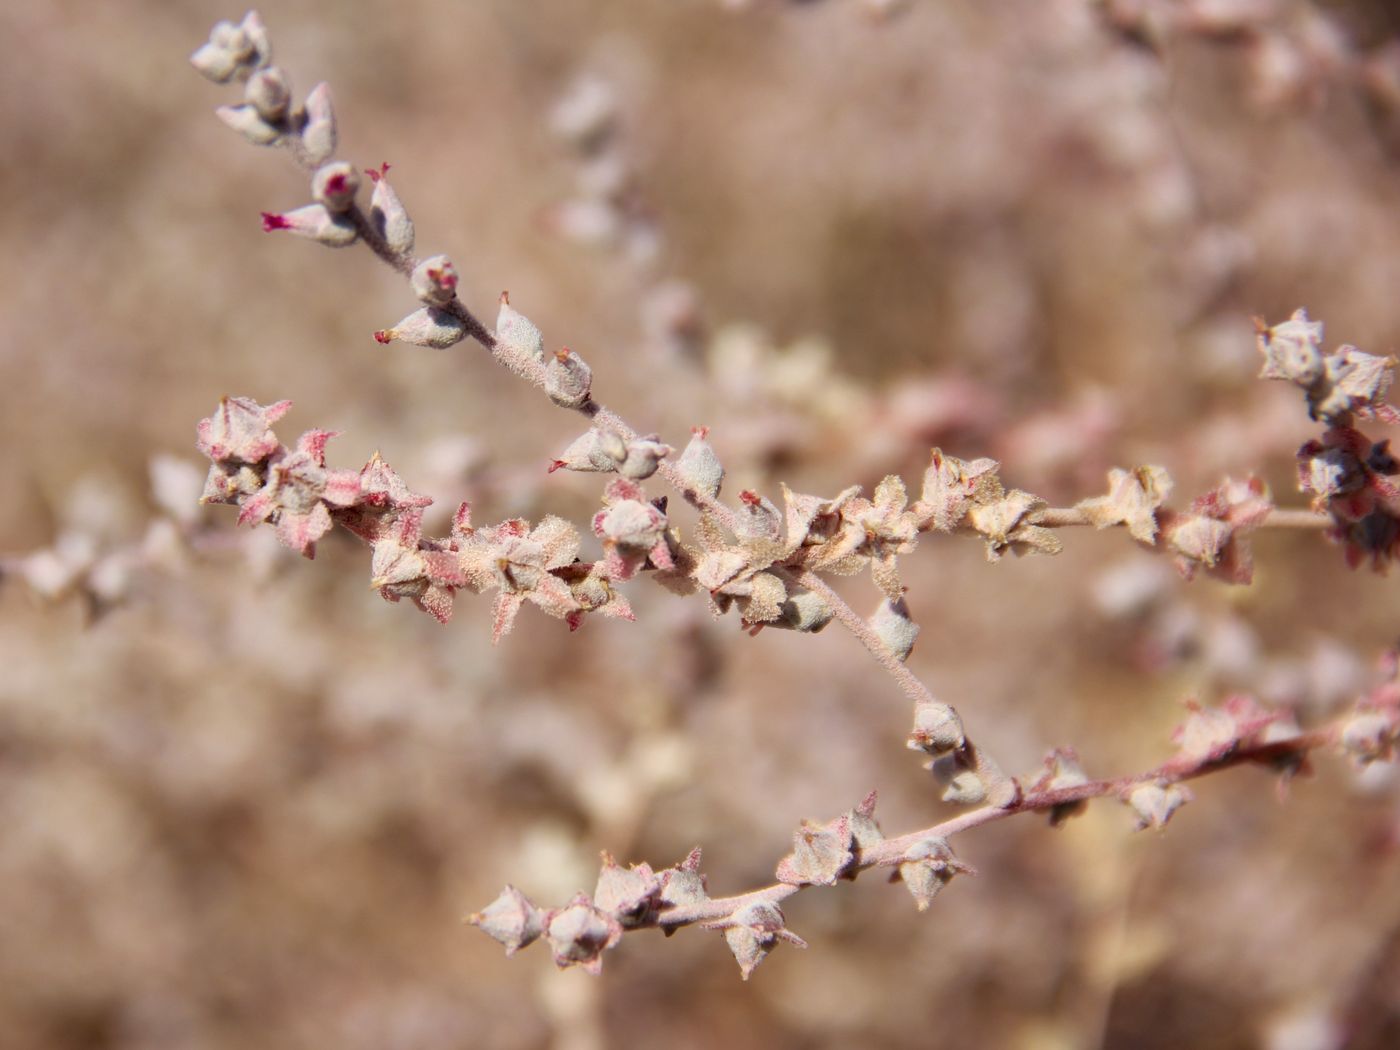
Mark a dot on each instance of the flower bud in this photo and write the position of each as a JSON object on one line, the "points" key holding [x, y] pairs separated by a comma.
{"points": [[516, 331], [699, 465], [268, 92], [426, 327], [643, 457], [510, 919], [318, 137], [804, 611], [247, 122], [434, 281], [752, 932], [937, 729], [214, 61], [927, 868], [1154, 804], [580, 933], [568, 379], [315, 223], [893, 626], [387, 213], [334, 185]]}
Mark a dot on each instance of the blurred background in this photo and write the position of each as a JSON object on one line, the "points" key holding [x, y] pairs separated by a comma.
{"points": [[245, 803]]}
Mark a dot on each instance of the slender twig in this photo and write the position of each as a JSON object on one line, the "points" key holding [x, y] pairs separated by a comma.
{"points": [[889, 852]]}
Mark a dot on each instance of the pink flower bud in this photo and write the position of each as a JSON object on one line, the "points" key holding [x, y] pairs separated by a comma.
{"points": [[335, 185], [313, 222], [434, 280], [318, 136], [426, 327], [387, 213]]}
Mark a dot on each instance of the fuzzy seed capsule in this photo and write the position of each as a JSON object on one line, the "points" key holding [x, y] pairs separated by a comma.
{"points": [[335, 185], [426, 327], [434, 281], [313, 222], [568, 379]]}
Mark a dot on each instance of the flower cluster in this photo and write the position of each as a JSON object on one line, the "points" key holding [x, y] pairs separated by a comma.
{"points": [[1350, 477], [303, 498]]}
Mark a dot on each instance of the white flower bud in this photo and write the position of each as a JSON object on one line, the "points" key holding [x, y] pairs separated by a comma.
{"points": [[215, 62], [894, 628], [269, 93], [516, 331], [387, 213], [426, 327], [245, 120], [585, 113], [568, 379], [434, 281], [699, 465], [804, 611], [642, 458], [1155, 804], [318, 137], [314, 222], [937, 729], [335, 185]]}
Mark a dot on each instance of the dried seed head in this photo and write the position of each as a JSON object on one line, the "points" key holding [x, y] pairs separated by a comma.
{"points": [[334, 185], [568, 380], [426, 327], [434, 280]]}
